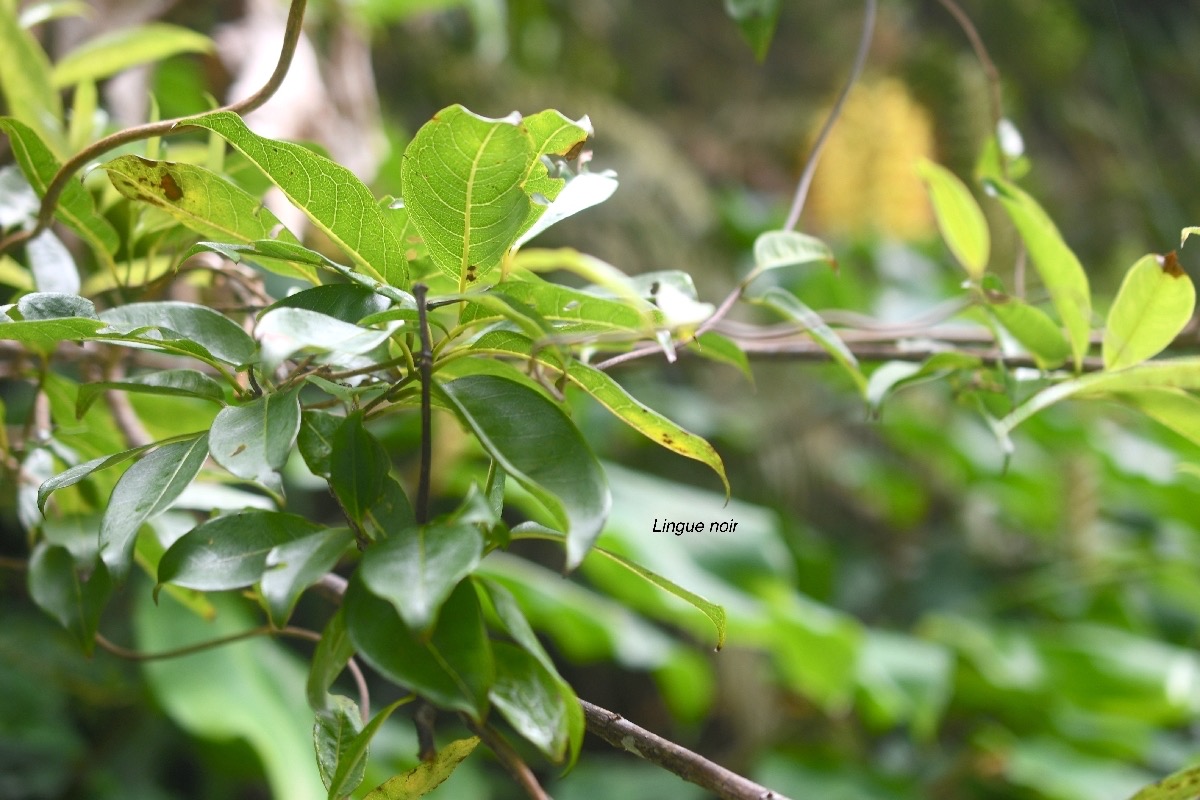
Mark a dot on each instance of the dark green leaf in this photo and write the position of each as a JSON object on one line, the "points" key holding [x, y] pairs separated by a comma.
{"points": [[426, 776], [530, 698], [58, 589], [454, 669], [391, 512], [253, 441], [44, 335], [315, 439], [294, 566], [147, 489], [333, 737], [333, 198], [230, 552], [344, 301], [216, 333], [75, 209], [541, 449], [358, 468], [416, 568], [513, 620], [175, 382]]}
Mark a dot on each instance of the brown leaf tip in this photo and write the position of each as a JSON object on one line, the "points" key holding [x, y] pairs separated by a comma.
{"points": [[1170, 265]]}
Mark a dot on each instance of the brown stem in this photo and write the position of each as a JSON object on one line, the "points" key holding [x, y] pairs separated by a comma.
{"points": [[512, 761], [989, 67], [692, 767], [163, 128]]}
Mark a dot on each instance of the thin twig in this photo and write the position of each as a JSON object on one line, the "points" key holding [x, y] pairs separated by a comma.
{"points": [[425, 362], [810, 168], [992, 74], [692, 767], [511, 760], [163, 128]]}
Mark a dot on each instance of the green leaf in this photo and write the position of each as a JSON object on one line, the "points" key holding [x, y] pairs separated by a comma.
{"points": [[200, 199], [1057, 265], [426, 776], [217, 334], [35, 14], [1155, 302], [294, 566], [1173, 408], [904, 679], [453, 669], [44, 335], [792, 308], [513, 620], [352, 761], [29, 94], [959, 218], [779, 249], [79, 472], [284, 332], [54, 305], [329, 194], [253, 441], [757, 20], [584, 190], [315, 440], [330, 658], [1174, 373], [1032, 329], [551, 134], [246, 691], [57, 588], [52, 265], [75, 208], [173, 382], [715, 347], [529, 697], [893, 375], [147, 489], [1182, 785], [1188, 233], [391, 512], [106, 55], [576, 310], [541, 449], [358, 468], [230, 552], [462, 185], [416, 568], [333, 739], [714, 612], [645, 420], [346, 302]]}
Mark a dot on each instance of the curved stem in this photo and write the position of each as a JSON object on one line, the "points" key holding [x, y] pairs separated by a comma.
{"points": [[810, 167], [511, 760], [163, 128]]}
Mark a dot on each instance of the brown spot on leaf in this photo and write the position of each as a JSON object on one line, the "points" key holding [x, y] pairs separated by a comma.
{"points": [[170, 187], [572, 152], [1170, 265], [471, 274]]}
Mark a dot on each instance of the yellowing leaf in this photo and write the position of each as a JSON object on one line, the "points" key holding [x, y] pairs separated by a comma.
{"points": [[959, 218]]}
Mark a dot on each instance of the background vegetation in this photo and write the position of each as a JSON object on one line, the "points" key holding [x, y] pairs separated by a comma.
{"points": [[908, 618]]}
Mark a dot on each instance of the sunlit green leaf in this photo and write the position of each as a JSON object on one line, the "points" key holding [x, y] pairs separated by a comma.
{"points": [[75, 208], [25, 83], [1174, 408], [253, 440], [333, 198], [198, 198], [426, 776], [35, 14], [1057, 265], [892, 375], [416, 568], [541, 449], [1155, 302], [1032, 328], [715, 347], [147, 488], [119, 50], [961, 221], [1182, 785], [779, 249]]}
